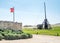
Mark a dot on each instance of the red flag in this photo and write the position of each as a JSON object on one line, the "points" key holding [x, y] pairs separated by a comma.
{"points": [[11, 9]]}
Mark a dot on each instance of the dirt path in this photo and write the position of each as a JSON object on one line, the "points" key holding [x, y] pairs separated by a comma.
{"points": [[36, 39]]}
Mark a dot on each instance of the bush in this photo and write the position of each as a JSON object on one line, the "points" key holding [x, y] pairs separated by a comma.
{"points": [[29, 35], [1, 36], [18, 31], [57, 34], [24, 36], [9, 34]]}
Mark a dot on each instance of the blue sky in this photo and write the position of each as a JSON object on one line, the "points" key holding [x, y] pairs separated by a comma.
{"points": [[30, 12]]}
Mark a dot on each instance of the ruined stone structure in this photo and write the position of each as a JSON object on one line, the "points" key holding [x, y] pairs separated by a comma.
{"points": [[10, 25]]}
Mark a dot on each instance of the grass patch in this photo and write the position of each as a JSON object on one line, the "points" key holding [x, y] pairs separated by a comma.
{"points": [[55, 31]]}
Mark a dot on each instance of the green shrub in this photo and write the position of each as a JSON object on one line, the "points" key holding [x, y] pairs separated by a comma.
{"points": [[29, 35], [10, 34], [57, 34], [1, 37], [24, 36], [18, 31], [18, 36]]}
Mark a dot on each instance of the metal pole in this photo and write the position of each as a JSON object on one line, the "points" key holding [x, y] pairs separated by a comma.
{"points": [[45, 9], [14, 16]]}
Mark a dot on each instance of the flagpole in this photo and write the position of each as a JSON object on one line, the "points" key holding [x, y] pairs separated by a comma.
{"points": [[14, 15]]}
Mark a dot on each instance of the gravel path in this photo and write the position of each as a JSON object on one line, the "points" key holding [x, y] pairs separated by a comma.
{"points": [[36, 39]]}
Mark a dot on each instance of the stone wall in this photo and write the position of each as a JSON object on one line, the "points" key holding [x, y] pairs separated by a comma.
{"points": [[11, 25]]}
